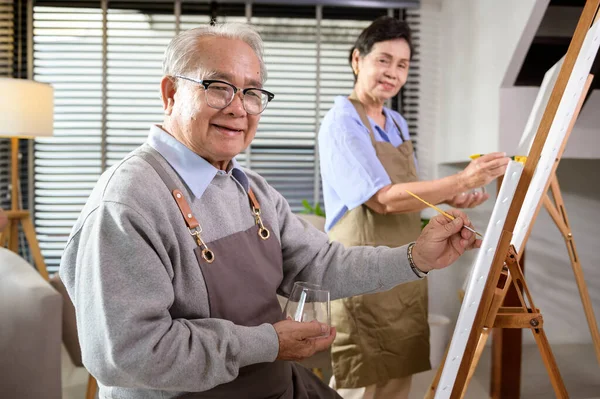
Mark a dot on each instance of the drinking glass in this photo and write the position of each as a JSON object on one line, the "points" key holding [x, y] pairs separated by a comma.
{"points": [[308, 302]]}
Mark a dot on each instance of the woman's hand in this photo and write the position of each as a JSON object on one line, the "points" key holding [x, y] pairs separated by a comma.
{"points": [[443, 241], [481, 171], [468, 199]]}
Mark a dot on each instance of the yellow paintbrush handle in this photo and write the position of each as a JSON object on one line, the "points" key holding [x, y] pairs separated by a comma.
{"points": [[449, 216]]}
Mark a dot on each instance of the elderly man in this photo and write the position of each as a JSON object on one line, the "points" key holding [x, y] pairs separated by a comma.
{"points": [[177, 257]]}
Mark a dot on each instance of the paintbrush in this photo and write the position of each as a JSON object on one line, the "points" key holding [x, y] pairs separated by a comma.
{"points": [[449, 216]]}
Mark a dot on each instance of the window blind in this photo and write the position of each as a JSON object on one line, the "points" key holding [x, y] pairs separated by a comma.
{"points": [[136, 42], [103, 58], [68, 54], [284, 148], [6, 70], [410, 92]]}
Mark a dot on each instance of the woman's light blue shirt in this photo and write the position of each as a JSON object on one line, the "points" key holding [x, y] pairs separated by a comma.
{"points": [[350, 169]]}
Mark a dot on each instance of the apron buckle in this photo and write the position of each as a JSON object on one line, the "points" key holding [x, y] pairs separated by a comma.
{"points": [[207, 254], [263, 232]]}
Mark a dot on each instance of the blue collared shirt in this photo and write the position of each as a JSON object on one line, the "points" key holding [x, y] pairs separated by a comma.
{"points": [[195, 171], [350, 169]]}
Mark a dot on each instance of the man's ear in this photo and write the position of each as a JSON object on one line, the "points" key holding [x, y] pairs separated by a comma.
{"points": [[167, 93]]}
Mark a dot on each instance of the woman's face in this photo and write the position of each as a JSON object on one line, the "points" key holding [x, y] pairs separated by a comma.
{"points": [[383, 72]]}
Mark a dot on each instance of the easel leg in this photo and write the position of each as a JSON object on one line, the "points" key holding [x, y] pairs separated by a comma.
{"points": [[436, 380], [558, 213], [505, 382], [92, 387], [34, 247], [478, 351], [13, 235], [557, 383], [518, 279]]}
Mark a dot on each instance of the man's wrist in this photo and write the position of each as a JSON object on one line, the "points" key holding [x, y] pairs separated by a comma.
{"points": [[411, 261]]}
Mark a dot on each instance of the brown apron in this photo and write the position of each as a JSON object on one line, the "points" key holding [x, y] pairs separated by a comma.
{"points": [[241, 287], [384, 335]]}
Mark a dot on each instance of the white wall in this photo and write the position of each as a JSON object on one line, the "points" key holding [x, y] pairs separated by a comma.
{"points": [[429, 86], [478, 42], [515, 105], [471, 108]]}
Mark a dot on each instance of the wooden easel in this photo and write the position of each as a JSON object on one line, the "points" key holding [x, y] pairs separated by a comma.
{"points": [[505, 267], [18, 216], [557, 210]]}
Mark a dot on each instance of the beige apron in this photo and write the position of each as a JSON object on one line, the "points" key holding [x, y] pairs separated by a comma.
{"points": [[241, 287], [384, 335]]}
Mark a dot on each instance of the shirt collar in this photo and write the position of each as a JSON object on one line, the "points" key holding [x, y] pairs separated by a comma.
{"points": [[195, 171]]}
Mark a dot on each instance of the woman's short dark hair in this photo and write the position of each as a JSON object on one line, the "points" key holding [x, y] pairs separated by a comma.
{"points": [[380, 30]]}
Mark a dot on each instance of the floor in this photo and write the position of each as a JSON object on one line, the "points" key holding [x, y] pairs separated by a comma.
{"points": [[577, 364]]}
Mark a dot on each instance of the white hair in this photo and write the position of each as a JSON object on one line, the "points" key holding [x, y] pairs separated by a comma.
{"points": [[182, 55]]}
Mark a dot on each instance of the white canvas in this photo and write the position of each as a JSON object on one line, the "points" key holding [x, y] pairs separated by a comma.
{"points": [[479, 274], [539, 106]]}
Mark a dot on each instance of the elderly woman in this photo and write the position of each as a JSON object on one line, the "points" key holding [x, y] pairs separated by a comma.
{"points": [[176, 261], [383, 338]]}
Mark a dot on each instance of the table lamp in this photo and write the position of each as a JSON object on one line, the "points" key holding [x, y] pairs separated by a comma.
{"points": [[26, 112]]}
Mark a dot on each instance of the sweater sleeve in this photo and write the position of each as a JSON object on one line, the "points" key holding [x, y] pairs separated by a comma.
{"points": [[309, 256], [118, 273]]}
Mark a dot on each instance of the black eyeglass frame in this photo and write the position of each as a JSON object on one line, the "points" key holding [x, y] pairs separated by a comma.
{"points": [[207, 82]]}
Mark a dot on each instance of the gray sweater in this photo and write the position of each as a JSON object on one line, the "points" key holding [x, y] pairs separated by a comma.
{"points": [[141, 303]]}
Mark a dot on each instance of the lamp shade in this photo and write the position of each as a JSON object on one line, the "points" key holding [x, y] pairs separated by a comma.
{"points": [[26, 108]]}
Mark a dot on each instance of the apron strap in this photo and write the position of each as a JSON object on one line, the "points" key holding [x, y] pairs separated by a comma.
{"points": [[365, 120], [192, 223], [362, 114], [404, 136], [183, 205], [406, 140]]}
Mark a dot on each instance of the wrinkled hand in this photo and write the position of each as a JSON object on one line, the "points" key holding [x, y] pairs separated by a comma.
{"points": [[468, 199], [443, 241], [481, 171], [298, 341]]}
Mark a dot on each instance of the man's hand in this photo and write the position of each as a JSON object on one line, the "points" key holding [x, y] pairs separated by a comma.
{"points": [[443, 241], [298, 341]]}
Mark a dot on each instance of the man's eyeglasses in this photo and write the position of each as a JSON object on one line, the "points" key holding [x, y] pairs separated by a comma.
{"points": [[220, 94]]}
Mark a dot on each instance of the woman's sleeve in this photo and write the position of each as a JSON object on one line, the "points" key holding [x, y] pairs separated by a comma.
{"points": [[349, 163]]}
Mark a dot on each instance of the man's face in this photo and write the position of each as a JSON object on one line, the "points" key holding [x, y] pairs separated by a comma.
{"points": [[217, 135]]}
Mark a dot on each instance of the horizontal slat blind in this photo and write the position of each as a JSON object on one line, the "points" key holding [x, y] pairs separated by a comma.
{"points": [[136, 44], [284, 148], [68, 54], [338, 37], [410, 93], [6, 70], [6, 37]]}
